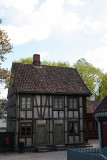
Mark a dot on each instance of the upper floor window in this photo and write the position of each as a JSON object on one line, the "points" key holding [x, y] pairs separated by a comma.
{"points": [[73, 103], [26, 102], [58, 102]]}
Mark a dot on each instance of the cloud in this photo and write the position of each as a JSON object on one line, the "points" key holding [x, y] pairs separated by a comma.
{"points": [[43, 54], [2, 12], [98, 57], [50, 17], [76, 3], [25, 6], [3, 92], [32, 20], [104, 39], [91, 25]]}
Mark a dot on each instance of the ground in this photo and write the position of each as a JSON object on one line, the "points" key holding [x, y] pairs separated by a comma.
{"points": [[94, 142], [58, 155]]}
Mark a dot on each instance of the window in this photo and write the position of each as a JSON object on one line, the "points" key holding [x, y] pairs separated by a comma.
{"points": [[58, 102], [73, 103], [26, 102], [93, 126], [73, 128], [25, 129]]}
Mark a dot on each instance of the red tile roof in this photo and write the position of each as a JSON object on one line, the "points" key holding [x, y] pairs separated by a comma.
{"points": [[91, 106], [102, 106], [48, 79]]}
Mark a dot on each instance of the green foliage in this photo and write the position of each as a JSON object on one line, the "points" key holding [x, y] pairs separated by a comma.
{"points": [[103, 87], [53, 63], [5, 47], [49, 63], [1, 112], [91, 75], [25, 60]]}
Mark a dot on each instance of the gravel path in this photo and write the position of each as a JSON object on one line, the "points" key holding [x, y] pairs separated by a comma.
{"points": [[59, 155]]}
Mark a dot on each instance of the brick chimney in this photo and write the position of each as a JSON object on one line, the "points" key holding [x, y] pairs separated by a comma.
{"points": [[36, 60]]}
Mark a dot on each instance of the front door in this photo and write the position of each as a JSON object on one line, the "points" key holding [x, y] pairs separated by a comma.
{"points": [[59, 134], [104, 134], [41, 135]]}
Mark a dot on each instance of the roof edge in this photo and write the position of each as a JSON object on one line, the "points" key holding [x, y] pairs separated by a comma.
{"points": [[100, 114], [55, 93]]}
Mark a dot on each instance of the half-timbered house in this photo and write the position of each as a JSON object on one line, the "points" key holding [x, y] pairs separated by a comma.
{"points": [[46, 105]]}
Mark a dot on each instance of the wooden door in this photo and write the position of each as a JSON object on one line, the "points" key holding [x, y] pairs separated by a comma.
{"points": [[104, 134], [41, 135], [59, 134]]}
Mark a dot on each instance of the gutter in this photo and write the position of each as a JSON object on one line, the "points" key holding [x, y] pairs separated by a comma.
{"points": [[101, 114]]}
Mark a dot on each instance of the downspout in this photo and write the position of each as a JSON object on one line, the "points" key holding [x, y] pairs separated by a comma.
{"points": [[99, 133]]}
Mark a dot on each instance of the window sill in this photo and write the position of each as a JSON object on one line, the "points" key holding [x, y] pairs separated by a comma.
{"points": [[57, 109], [25, 109], [73, 109], [73, 134], [26, 136]]}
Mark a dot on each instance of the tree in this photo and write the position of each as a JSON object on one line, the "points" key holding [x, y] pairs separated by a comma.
{"points": [[5, 47], [49, 63], [1, 112], [25, 60], [91, 75], [59, 63], [103, 87]]}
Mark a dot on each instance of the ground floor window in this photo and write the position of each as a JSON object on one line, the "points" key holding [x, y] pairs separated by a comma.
{"points": [[73, 128], [25, 129], [93, 126]]}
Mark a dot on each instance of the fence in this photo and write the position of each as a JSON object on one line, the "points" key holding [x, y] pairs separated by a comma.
{"points": [[86, 154], [6, 140], [88, 150]]}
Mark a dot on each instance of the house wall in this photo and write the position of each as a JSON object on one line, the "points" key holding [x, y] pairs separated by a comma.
{"points": [[11, 113], [103, 121], [43, 116], [92, 133]]}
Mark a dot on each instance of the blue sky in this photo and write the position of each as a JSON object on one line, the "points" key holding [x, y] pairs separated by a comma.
{"points": [[60, 30]]}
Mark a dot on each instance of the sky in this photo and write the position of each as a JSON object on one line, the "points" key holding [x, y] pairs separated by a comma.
{"points": [[58, 30]]}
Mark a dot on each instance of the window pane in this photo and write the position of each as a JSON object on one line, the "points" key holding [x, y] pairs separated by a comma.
{"points": [[60, 103], [28, 102], [23, 102], [28, 129], [23, 130], [76, 128], [70, 103], [56, 102], [71, 127], [75, 103], [96, 125]]}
